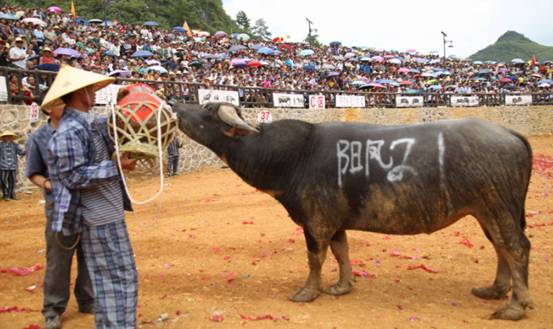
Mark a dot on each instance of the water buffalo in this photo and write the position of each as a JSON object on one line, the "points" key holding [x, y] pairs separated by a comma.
{"points": [[333, 177]]}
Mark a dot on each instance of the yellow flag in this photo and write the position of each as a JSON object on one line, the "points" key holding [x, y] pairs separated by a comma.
{"points": [[73, 11], [187, 28]]}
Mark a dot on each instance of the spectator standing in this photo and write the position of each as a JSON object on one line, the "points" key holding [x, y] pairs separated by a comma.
{"points": [[57, 277], [9, 151], [173, 153]]}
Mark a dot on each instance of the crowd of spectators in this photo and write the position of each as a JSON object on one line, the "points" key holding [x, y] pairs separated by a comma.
{"points": [[43, 38]]}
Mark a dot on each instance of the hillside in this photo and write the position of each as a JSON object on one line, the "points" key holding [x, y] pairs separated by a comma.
{"points": [[514, 45], [201, 14]]}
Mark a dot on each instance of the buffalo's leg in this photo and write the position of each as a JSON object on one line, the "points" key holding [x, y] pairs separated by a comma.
{"points": [[511, 244], [502, 283], [316, 254], [339, 247]]}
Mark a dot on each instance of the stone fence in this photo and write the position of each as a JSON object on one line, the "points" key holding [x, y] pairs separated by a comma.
{"points": [[528, 120]]}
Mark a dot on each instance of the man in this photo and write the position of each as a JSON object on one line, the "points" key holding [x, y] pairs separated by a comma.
{"points": [[88, 196], [57, 277], [173, 156], [9, 151], [18, 54]]}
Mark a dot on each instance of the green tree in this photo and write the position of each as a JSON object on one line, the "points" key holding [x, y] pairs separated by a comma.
{"points": [[261, 30], [243, 21], [313, 39]]}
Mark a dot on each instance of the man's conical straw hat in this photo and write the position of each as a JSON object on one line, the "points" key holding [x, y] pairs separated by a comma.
{"points": [[8, 133], [70, 79]]}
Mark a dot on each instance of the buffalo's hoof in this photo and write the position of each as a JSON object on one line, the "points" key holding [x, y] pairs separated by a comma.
{"points": [[510, 311], [490, 292], [304, 295], [338, 289]]}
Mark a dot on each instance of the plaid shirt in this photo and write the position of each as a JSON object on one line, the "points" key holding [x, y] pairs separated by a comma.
{"points": [[8, 155], [71, 167]]}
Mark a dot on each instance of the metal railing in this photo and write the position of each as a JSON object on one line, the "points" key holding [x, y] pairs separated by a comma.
{"points": [[248, 96]]}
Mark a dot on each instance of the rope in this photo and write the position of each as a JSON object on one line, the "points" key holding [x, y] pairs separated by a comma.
{"points": [[160, 149], [65, 247]]}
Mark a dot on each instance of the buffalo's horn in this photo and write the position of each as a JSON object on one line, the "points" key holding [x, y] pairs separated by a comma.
{"points": [[229, 116]]}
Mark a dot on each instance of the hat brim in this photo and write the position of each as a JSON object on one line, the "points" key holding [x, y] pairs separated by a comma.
{"points": [[70, 79], [8, 134]]}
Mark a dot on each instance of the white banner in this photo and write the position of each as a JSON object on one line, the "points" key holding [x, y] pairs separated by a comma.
{"points": [[107, 95], [350, 101], [287, 100], [464, 101], [3, 90], [34, 112], [518, 99], [264, 117], [213, 96], [409, 101], [317, 102]]}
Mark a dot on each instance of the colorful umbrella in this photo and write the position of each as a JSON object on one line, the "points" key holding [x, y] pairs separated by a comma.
{"points": [[306, 52], [265, 51], [179, 29], [255, 64], [220, 34], [237, 48], [142, 53], [67, 52], [55, 9], [157, 68], [238, 62], [150, 23], [34, 21]]}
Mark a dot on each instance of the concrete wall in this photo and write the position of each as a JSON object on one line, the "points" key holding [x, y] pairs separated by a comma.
{"points": [[528, 120]]}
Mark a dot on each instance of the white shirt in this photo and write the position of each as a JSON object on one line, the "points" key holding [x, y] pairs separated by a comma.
{"points": [[16, 52]]}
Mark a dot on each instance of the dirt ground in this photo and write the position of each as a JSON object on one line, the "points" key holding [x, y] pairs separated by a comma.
{"points": [[214, 248]]}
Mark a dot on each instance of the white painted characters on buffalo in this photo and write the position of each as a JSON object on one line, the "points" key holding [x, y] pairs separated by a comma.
{"points": [[349, 155]]}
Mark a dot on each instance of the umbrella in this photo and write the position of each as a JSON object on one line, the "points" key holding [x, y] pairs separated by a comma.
{"points": [[220, 34], [243, 37], [477, 63], [309, 67], [179, 29], [517, 61], [415, 71], [328, 67], [372, 85], [152, 62], [544, 85], [257, 46], [435, 87], [150, 23], [377, 59], [404, 70], [255, 64], [238, 62], [358, 83], [34, 21], [95, 21], [388, 82], [66, 52], [420, 60], [405, 83], [265, 51], [55, 9], [288, 62], [394, 61], [142, 53], [278, 39], [195, 64], [109, 53], [120, 73], [411, 51], [485, 71], [8, 16], [548, 81], [49, 67], [365, 59], [306, 52], [349, 55], [237, 48], [491, 62], [335, 44], [80, 20], [435, 61], [505, 80], [158, 68], [332, 74]]}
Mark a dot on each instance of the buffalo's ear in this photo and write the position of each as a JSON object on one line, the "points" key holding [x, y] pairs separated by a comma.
{"points": [[238, 127]]}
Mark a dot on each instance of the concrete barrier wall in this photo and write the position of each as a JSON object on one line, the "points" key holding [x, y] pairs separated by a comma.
{"points": [[528, 120]]}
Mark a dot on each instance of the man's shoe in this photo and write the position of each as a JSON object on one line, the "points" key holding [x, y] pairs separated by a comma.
{"points": [[52, 323]]}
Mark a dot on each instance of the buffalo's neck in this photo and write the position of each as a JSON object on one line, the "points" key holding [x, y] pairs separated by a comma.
{"points": [[269, 160]]}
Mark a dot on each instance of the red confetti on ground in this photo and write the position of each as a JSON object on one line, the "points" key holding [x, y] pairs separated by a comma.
{"points": [[217, 250], [15, 309], [248, 222], [549, 223], [466, 242], [263, 317], [33, 326], [357, 262], [423, 267], [216, 317], [363, 274], [31, 288], [22, 271], [532, 213], [229, 276]]}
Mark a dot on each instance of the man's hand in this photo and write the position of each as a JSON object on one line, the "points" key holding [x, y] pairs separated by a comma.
{"points": [[47, 185], [127, 163]]}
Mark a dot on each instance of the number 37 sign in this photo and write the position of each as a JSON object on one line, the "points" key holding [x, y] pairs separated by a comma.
{"points": [[316, 102]]}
